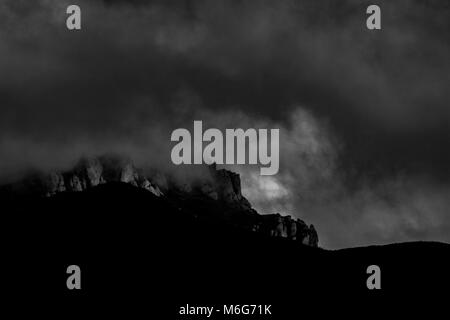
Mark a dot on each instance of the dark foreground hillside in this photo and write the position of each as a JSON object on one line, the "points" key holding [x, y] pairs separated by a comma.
{"points": [[140, 253]]}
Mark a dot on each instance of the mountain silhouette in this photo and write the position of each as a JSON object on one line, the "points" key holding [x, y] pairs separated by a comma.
{"points": [[133, 244]]}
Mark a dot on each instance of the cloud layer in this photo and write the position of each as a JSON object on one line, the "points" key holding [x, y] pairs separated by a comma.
{"points": [[364, 115]]}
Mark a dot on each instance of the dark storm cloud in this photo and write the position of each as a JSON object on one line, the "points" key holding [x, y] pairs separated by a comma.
{"points": [[376, 103]]}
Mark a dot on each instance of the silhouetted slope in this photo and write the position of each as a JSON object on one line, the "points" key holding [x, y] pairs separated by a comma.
{"points": [[132, 245], [211, 194]]}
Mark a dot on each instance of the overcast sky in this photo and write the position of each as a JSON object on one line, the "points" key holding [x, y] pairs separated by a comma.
{"points": [[363, 115]]}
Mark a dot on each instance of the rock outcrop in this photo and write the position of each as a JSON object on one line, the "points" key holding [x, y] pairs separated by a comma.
{"points": [[277, 225], [223, 185], [91, 172]]}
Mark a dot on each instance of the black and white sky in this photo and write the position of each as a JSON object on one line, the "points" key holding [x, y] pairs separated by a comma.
{"points": [[363, 115]]}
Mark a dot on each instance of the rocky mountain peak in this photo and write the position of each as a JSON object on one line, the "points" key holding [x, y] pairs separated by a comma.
{"points": [[219, 185]]}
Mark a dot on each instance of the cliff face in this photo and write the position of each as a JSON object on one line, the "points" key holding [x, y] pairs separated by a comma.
{"points": [[92, 172], [227, 185], [220, 189], [277, 225]]}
